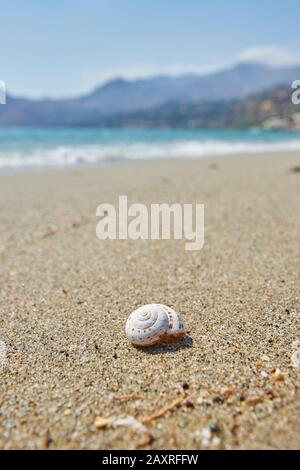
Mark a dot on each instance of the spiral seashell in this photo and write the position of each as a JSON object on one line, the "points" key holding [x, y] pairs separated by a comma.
{"points": [[146, 325], [152, 324]]}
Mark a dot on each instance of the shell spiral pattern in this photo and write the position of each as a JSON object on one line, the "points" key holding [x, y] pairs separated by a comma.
{"points": [[146, 325]]}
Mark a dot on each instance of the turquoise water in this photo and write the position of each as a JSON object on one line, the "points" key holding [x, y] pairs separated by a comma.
{"points": [[22, 148]]}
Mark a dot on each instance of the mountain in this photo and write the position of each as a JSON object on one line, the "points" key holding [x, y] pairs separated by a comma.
{"points": [[122, 96]]}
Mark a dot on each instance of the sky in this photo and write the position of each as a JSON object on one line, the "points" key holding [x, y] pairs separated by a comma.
{"points": [[55, 48]]}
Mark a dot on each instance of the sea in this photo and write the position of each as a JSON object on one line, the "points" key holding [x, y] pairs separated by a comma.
{"points": [[42, 148]]}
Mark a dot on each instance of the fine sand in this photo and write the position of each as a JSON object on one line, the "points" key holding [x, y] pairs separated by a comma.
{"points": [[65, 297]]}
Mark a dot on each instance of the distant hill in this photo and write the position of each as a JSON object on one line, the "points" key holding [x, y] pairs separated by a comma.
{"points": [[269, 109], [171, 95]]}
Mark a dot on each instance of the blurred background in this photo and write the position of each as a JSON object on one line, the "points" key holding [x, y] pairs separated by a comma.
{"points": [[99, 81]]}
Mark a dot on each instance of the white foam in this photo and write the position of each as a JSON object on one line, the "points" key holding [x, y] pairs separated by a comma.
{"points": [[65, 156]]}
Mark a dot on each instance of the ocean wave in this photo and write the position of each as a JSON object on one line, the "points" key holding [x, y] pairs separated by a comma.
{"points": [[65, 156]]}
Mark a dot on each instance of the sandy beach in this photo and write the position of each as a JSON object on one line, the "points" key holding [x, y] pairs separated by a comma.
{"points": [[65, 297]]}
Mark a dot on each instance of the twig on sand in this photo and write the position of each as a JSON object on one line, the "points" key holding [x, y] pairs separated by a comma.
{"points": [[49, 232], [158, 414], [129, 422], [103, 423], [137, 425]]}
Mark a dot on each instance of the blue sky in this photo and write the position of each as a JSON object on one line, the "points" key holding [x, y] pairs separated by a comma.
{"points": [[63, 47]]}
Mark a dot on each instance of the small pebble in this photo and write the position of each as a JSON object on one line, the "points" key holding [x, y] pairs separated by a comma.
{"points": [[206, 433], [216, 441], [217, 399], [189, 404], [205, 443], [253, 401], [214, 427], [295, 169], [278, 376]]}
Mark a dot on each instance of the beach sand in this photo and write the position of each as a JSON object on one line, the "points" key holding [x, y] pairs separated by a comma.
{"points": [[65, 297]]}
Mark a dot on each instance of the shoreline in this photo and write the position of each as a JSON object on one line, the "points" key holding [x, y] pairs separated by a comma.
{"points": [[137, 162]]}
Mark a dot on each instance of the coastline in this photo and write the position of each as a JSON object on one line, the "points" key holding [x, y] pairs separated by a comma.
{"points": [[50, 148], [66, 295], [147, 161]]}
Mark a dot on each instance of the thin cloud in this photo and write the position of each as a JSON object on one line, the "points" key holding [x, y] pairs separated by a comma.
{"points": [[270, 55]]}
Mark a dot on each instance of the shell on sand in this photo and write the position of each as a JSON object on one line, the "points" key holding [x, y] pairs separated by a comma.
{"points": [[153, 324], [146, 325]]}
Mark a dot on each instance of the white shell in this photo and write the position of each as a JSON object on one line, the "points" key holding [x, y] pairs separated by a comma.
{"points": [[152, 323]]}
